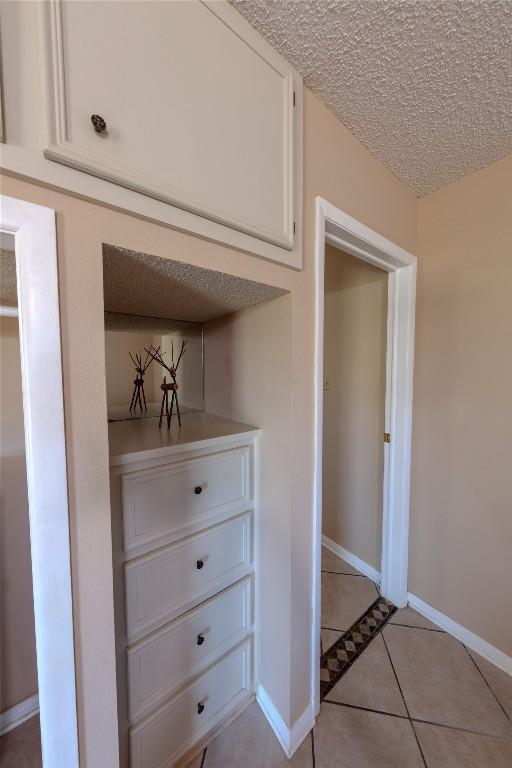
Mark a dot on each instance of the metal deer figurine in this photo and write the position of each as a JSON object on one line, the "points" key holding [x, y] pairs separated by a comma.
{"points": [[171, 385], [138, 385]]}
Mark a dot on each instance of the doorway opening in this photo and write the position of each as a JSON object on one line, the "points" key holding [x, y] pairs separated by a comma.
{"points": [[34, 287], [357, 255], [19, 704]]}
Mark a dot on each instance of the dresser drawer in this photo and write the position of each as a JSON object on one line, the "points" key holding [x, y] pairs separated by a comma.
{"points": [[161, 504], [166, 583], [159, 664], [160, 739]]}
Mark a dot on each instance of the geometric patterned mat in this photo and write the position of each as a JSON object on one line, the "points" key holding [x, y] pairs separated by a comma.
{"points": [[339, 657]]}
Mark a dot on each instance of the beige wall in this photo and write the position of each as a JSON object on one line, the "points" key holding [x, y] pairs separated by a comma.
{"points": [[461, 513], [337, 167], [353, 425], [18, 668], [248, 373]]}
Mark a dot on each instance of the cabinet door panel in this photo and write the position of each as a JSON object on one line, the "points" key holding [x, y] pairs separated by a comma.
{"points": [[196, 116]]}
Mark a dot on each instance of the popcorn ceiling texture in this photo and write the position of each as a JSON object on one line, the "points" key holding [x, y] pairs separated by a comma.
{"points": [[141, 284], [8, 289], [426, 86]]}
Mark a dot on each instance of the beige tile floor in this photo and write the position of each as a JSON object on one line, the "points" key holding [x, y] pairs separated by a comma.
{"points": [[416, 698], [21, 747]]}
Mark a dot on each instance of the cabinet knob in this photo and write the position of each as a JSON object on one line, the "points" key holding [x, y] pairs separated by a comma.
{"points": [[99, 123], [197, 490], [200, 708], [200, 639], [199, 564]]}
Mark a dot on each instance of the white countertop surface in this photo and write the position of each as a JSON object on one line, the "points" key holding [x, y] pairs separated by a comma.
{"points": [[139, 439]]}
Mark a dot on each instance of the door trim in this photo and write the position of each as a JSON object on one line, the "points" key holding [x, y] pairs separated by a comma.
{"points": [[33, 227], [337, 228]]}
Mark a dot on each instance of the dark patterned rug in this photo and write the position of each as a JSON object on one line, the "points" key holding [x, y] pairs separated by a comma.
{"points": [[339, 657]]}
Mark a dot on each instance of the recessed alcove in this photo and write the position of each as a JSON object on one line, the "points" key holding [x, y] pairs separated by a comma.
{"points": [[235, 402], [152, 304]]}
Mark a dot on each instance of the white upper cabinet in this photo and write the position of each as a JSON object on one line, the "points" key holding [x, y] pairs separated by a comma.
{"points": [[199, 112]]}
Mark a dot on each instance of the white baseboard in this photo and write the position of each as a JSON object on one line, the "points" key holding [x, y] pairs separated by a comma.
{"points": [[289, 738], [355, 562], [301, 728], [18, 714], [472, 641]]}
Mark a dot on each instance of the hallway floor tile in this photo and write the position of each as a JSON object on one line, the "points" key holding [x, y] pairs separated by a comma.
{"points": [[447, 748], [370, 682], [249, 742], [344, 599], [21, 747], [358, 739], [440, 682], [408, 617]]}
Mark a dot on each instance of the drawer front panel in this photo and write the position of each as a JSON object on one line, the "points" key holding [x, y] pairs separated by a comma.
{"points": [[159, 664], [169, 732], [170, 581], [162, 503]]}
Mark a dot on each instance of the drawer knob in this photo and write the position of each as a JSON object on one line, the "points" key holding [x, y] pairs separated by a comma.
{"points": [[198, 490], [200, 708], [199, 564], [200, 639], [99, 123]]}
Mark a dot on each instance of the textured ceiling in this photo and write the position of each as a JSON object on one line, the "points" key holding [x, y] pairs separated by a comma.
{"points": [[140, 284], [160, 326], [425, 85], [8, 289]]}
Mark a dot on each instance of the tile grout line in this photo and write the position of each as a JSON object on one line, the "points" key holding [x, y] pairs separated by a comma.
{"points": [[458, 728], [364, 709], [487, 683], [313, 746], [334, 629], [357, 575], [418, 720], [403, 699], [411, 626]]}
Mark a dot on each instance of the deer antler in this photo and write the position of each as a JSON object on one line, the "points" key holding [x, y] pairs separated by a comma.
{"points": [[155, 354], [182, 350], [148, 360]]}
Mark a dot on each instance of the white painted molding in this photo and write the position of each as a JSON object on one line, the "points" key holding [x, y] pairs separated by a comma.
{"points": [[356, 562], [289, 738], [301, 728], [472, 641], [33, 227], [182, 209], [7, 311], [18, 714], [346, 233]]}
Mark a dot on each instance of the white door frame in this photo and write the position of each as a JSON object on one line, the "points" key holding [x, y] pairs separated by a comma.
{"points": [[33, 227], [341, 230]]}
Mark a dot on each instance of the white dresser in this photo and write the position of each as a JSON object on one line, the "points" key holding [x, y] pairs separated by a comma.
{"points": [[183, 505]]}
